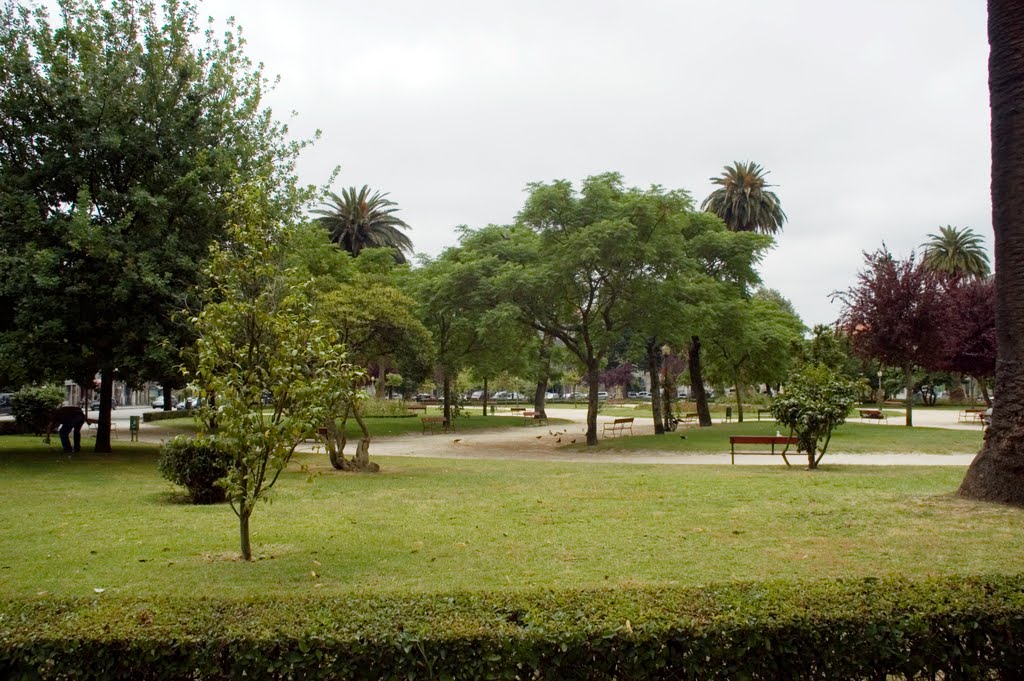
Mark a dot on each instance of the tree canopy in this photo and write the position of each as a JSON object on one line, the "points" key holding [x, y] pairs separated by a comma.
{"points": [[122, 131]]}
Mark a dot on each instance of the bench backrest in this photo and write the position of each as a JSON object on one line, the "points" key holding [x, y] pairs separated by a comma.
{"points": [[762, 440], [432, 419], [628, 419]]}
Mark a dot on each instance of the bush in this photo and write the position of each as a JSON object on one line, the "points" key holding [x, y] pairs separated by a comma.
{"points": [[951, 628], [371, 406], [150, 416], [196, 464], [33, 405]]}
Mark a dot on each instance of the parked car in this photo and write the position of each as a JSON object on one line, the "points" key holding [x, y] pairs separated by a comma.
{"points": [[423, 397], [5, 403], [158, 403], [476, 395], [550, 396], [189, 403], [602, 395], [507, 395], [644, 394]]}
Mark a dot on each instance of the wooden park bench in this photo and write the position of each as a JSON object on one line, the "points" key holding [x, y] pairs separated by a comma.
{"points": [[872, 415], [772, 440], [431, 422], [537, 419], [971, 416], [618, 427], [690, 418], [417, 407]]}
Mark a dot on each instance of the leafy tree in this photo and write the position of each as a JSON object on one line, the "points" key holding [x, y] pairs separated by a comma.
{"points": [[892, 313], [752, 342], [358, 219], [618, 377], [956, 252], [577, 263], [459, 295], [815, 402], [272, 364], [830, 347], [743, 202], [33, 405], [967, 339], [121, 133]]}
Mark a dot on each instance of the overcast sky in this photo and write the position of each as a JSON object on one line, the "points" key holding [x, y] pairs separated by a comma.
{"points": [[872, 116]]}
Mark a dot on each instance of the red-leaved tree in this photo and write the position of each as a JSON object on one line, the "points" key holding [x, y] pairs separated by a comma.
{"points": [[967, 338], [892, 314]]}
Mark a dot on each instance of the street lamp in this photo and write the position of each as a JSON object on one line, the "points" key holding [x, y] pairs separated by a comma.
{"points": [[881, 393]]}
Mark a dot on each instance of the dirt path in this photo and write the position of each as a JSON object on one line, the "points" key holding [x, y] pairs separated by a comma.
{"points": [[546, 443]]}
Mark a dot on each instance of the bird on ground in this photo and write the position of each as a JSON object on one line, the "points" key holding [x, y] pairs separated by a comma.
{"points": [[558, 440], [457, 440]]}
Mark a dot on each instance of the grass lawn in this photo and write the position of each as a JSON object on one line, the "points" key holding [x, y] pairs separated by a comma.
{"points": [[850, 438], [435, 526]]}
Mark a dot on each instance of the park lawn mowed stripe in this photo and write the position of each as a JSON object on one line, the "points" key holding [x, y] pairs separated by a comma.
{"points": [[435, 525]]}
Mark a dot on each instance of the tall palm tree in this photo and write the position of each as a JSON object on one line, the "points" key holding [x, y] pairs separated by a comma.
{"points": [[358, 220], [743, 202], [956, 251], [997, 473], [745, 205]]}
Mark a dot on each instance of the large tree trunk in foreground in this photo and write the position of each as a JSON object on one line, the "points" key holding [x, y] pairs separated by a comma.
{"points": [[103, 427], [997, 473], [699, 395]]}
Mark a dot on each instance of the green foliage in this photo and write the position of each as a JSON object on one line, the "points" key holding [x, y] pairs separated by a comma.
{"points": [[262, 337], [371, 407], [815, 401], [196, 464], [32, 406], [124, 128], [358, 219], [150, 416], [953, 628], [956, 252], [743, 202]]}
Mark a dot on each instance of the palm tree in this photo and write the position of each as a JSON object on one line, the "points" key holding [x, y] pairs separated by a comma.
{"points": [[744, 205], [743, 202], [957, 252], [997, 473], [357, 220]]}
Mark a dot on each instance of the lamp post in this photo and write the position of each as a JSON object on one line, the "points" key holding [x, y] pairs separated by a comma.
{"points": [[881, 392]]}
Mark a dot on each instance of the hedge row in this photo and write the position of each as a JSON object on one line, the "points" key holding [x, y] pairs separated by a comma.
{"points": [[951, 628], [150, 416]]}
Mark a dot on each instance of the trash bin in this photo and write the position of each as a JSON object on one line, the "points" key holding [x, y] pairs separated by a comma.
{"points": [[133, 427], [728, 414]]}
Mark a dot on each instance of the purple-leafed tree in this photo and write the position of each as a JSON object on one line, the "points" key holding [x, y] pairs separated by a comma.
{"points": [[892, 313]]}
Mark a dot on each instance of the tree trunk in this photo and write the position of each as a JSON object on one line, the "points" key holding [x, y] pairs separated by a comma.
{"points": [[697, 391], [446, 395], [243, 531], [984, 392], [543, 374], [739, 403], [593, 380], [103, 428], [654, 367], [997, 473], [908, 384], [485, 397], [812, 460]]}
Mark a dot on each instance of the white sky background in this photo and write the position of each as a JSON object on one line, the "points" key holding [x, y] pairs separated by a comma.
{"points": [[872, 116]]}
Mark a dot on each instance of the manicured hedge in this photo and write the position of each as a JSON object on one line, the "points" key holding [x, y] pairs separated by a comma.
{"points": [[951, 628], [150, 416]]}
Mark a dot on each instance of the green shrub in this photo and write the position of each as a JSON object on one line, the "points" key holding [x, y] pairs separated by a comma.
{"points": [[150, 416], [371, 406], [196, 464], [951, 628], [33, 405]]}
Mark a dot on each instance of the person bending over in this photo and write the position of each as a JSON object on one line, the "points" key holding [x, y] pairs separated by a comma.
{"points": [[70, 419]]}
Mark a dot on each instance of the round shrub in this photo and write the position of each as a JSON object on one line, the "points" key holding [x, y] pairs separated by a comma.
{"points": [[196, 464], [33, 405]]}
